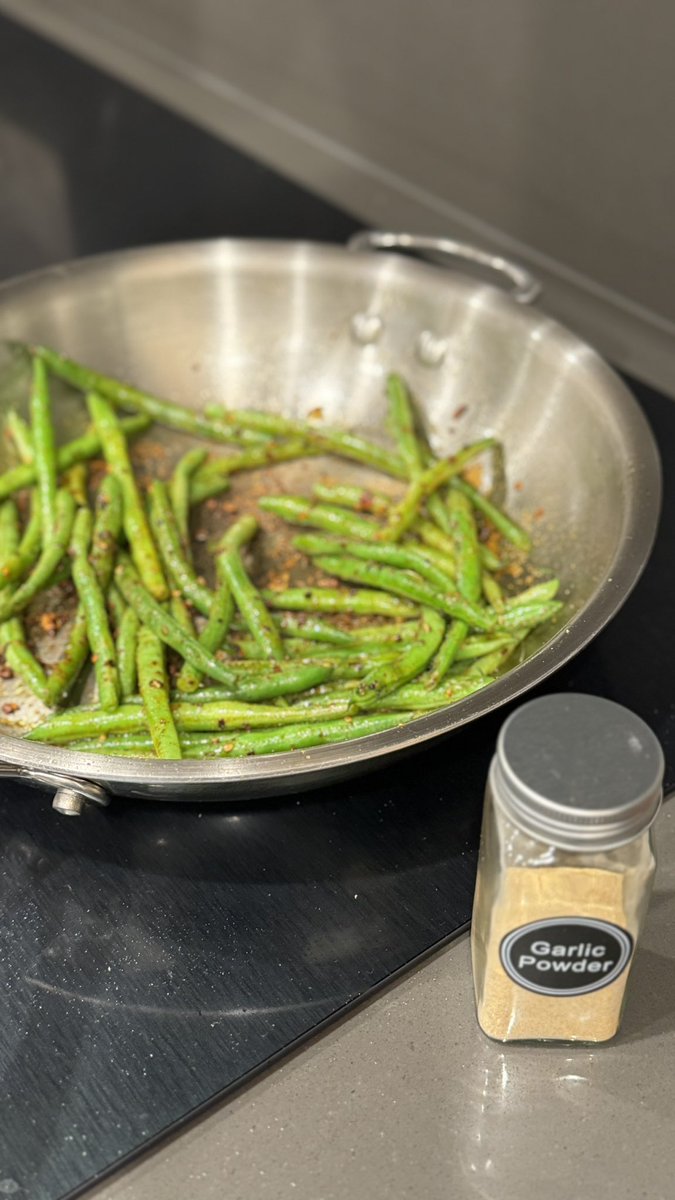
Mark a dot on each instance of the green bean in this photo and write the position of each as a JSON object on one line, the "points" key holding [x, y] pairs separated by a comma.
{"points": [[211, 637], [79, 450], [180, 571], [434, 538], [179, 493], [464, 536], [165, 412], [324, 439], [438, 512], [407, 584], [44, 445], [81, 533], [446, 654], [117, 607], [126, 650], [328, 693], [391, 555], [526, 615], [401, 421], [49, 559], [303, 737], [398, 631], [489, 559], [313, 630], [154, 688], [261, 741], [509, 529], [213, 477], [389, 676], [75, 481], [327, 600], [435, 504], [246, 595], [224, 714], [299, 511], [288, 680], [162, 623], [414, 696], [436, 542], [9, 529], [12, 638], [239, 534], [547, 590], [107, 528], [131, 746], [20, 659], [65, 672], [20, 432], [492, 591], [481, 644], [358, 499], [314, 651], [444, 562], [92, 599], [136, 525], [404, 513], [181, 613], [489, 665]]}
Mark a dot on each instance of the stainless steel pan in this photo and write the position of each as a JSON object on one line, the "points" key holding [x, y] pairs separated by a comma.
{"points": [[296, 327]]}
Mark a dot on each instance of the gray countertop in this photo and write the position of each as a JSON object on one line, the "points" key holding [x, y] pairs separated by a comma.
{"points": [[407, 1098]]}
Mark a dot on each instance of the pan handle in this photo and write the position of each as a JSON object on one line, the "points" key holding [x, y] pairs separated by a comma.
{"points": [[71, 794], [523, 286]]}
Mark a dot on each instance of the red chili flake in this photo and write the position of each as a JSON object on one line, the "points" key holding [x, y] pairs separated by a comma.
{"points": [[94, 658], [518, 485], [538, 514], [10, 708], [51, 622], [459, 412], [6, 672]]}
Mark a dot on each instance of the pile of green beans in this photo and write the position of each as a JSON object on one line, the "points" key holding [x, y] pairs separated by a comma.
{"points": [[409, 603]]}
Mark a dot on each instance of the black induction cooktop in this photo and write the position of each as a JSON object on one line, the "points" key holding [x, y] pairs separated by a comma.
{"points": [[153, 957]]}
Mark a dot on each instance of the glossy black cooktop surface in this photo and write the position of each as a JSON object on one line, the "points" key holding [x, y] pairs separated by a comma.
{"points": [[151, 957]]}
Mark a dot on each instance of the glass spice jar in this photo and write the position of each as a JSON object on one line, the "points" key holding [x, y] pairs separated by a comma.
{"points": [[565, 869]]}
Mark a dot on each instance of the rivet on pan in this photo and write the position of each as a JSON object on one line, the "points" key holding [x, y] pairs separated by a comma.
{"points": [[366, 327], [69, 803], [431, 350]]}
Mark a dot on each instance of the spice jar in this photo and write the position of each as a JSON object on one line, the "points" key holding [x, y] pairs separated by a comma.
{"points": [[565, 869]]}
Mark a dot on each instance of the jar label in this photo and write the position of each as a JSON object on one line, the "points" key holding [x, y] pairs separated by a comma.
{"points": [[566, 956]]}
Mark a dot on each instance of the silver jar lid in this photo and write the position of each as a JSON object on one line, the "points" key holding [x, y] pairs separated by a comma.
{"points": [[578, 772]]}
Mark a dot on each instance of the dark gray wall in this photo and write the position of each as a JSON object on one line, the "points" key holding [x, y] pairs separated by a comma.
{"points": [[541, 127]]}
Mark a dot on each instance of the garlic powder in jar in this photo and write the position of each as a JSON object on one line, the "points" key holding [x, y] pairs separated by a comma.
{"points": [[565, 869]]}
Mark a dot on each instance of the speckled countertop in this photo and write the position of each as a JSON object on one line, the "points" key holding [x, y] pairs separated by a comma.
{"points": [[406, 1098]]}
